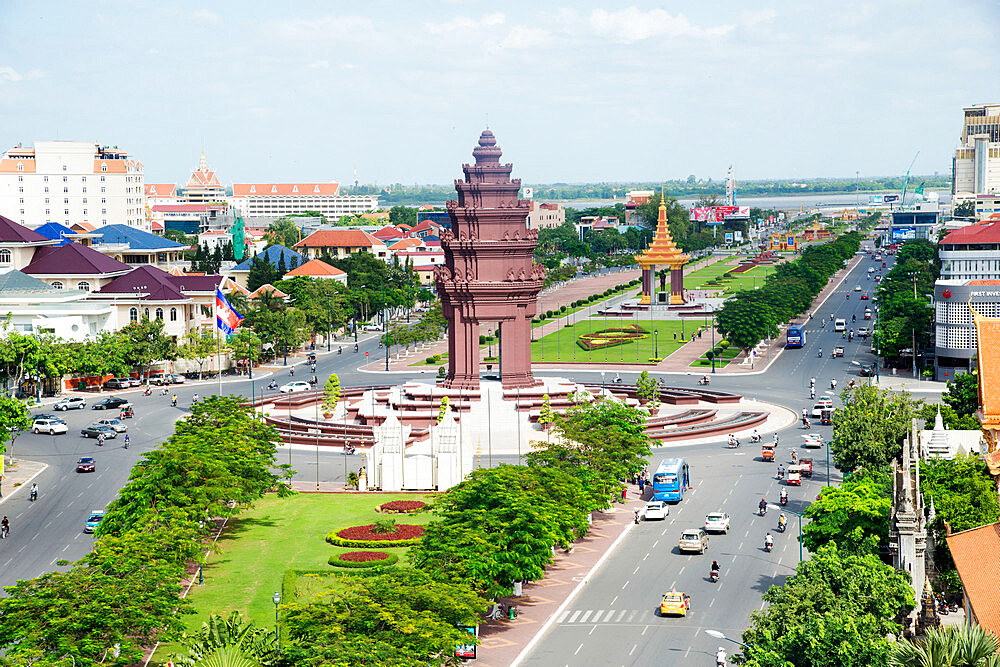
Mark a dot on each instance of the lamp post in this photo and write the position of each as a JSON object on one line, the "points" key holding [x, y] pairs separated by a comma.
{"points": [[284, 330], [719, 635], [329, 325], [276, 598], [489, 341], [784, 509], [602, 384], [713, 339], [656, 343]]}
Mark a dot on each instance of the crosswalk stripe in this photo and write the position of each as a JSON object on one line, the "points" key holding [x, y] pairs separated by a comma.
{"points": [[621, 616], [562, 616], [576, 614], [586, 615], [607, 617]]}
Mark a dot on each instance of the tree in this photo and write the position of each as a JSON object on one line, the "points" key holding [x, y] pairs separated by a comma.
{"points": [[746, 320], [868, 431], [854, 516], [964, 645], [331, 393], [546, 416], [229, 642], [646, 387], [402, 215], [144, 342], [198, 347], [966, 209], [949, 417], [14, 418], [835, 611], [283, 231], [962, 394], [262, 272]]}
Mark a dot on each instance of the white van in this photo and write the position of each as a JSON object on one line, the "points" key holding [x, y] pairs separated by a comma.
{"points": [[840, 324]]}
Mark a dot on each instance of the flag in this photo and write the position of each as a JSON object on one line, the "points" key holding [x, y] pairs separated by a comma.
{"points": [[226, 318]]}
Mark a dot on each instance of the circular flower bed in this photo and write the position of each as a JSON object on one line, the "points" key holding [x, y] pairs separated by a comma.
{"points": [[402, 531], [402, 507], [364, 559]]}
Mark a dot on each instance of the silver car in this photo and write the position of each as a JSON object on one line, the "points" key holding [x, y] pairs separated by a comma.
{"points": [[717, 522], [115, 425], [70, 403], [693, 539]]}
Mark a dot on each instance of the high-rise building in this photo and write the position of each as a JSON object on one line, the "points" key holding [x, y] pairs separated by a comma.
{"points": [[277, 199], [976, 165], [72, 182]]}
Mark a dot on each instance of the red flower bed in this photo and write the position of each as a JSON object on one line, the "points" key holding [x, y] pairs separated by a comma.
{"points": [[402, 506], [403, 532], [363, 556]]}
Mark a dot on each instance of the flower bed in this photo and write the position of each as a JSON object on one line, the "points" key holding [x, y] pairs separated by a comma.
{"points": [[404, 535], [363, 559], [401, 507], [611, 337]]}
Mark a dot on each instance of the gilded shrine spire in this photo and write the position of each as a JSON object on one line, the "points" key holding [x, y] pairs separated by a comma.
{"points": [[662, 252]]}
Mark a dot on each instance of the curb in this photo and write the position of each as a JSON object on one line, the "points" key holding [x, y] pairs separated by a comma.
{"points": [[45, 466]]}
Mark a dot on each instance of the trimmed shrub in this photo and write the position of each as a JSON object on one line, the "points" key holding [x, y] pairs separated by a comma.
{"points": [[562, 309], [402, 531], [723, 344], [401, 506], [442, 372], [369, 544], [360, 559]]}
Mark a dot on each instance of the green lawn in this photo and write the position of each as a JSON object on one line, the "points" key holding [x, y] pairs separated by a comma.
{"points": [[740, 281], [721, 361], [280, 534], [561, 346]]}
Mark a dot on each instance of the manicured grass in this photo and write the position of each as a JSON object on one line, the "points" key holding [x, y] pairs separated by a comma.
{"points": [[721, 360], [276, 535], [740, 281], [561, 346]]}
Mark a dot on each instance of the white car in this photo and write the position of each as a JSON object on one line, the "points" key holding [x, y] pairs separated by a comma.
{"points": [[656, 509], [50, 426], [114, 424], [717, 522], [812, 441], [294, 387], [821, 404], [857, 288]]}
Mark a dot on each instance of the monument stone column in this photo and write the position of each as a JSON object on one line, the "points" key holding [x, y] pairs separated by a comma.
{"points": [[663, 252]]}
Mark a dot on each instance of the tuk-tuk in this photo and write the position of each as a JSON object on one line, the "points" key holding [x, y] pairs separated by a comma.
{"points": [[826, 416], [806, 467], [767, 452], [794, 476]]}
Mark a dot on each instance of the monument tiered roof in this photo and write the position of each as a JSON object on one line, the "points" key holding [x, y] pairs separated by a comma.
{"points": [[663, 250]]}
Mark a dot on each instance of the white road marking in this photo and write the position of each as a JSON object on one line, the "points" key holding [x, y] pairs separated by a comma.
{"points": [[633, 649], [637, 567], [741, 547], [681, 571], [711, 603], [607, 617], [664, 532], [644, 558], [614, 601], [632, 615], [59, 515], [578, 649], [621, 616], [575, 615], [657, 542], [586, 615], [644, 630], [592, 630], [562, 617], [625, 584]]}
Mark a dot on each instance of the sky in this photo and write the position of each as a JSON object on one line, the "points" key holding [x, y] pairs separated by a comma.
{"points": [[575, 92]]}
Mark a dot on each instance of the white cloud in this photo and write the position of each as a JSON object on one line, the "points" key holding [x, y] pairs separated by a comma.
{"points": [[325, 27], [633, 25], [207, 17], [9, 74], [319, 64], [464, 24], [754, 17], [525, 37]]}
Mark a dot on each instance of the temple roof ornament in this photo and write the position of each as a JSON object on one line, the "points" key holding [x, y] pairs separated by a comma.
{"points": [[988, 348], [662, 251]]}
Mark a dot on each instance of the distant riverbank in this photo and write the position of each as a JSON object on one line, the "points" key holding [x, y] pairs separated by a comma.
{"points": [[779, 202]]}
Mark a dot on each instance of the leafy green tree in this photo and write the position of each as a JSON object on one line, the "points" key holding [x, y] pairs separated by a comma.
{"points": [[854, 516], [331, 393], [283, 231], [14, 419], [403, 215], [399, 616], [868, 431], [951, 419], [966, 209], [546, 416], [262, 272], [835, 611], [964, 645], [962, 394], [746, 320], [144, 342], [646, 387], [198, 347], [229, 642]]}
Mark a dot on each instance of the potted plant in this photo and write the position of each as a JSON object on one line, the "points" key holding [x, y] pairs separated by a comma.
{"points": [[331, 395]]}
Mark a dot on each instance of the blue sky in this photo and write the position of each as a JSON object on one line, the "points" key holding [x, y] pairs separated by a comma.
{"points": [[580, 91]]}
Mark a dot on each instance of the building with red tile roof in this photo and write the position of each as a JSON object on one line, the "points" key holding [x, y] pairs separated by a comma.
{"points": [[388, 234], [976, 553], [339, 243], [268, 290], [278, 199], [317, 268], [203, 186]]}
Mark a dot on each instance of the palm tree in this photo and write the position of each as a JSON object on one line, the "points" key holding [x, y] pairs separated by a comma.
{"points": [[955, 646], [231, 642]]}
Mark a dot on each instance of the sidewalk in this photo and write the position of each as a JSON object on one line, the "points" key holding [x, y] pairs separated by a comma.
{"points": [[17, 474], [503, 641]]}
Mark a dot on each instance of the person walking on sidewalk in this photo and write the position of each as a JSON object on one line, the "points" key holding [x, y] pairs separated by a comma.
{"points": [[624, 494]]}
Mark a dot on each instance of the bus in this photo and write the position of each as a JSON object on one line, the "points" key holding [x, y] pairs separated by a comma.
{"points": [[671, 480], [795, 336]]}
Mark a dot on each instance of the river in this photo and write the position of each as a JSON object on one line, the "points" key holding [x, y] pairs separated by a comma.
{"points": [[778, 202]]}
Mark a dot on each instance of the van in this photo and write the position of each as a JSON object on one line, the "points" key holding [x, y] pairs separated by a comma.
{"points": [[840, 324]]}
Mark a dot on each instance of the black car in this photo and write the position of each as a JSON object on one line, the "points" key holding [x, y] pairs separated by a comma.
{"points": [[94, 430], [111, 403], [867, 370]]}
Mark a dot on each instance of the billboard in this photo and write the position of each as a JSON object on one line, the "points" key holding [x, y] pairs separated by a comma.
{"points": [[739, 235], [876, 199], [527, 193], [903, 234], [888, 199], [715, 215], [729, 237]]}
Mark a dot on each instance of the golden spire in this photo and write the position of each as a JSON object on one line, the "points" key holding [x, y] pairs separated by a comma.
{"points": [[662, 251]]}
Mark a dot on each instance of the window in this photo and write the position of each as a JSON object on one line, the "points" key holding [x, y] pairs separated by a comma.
{"points": [[146, 313], [65, 200], [84, 189], [64, 169], [84, 200], [5, 256], [85, 211], [102, 180], [45, 178], [83, 285], [22, 200], [159, 313], [104, 211], [46, 211], [46, 200], [65, 178], [20, 167], [65, 189], [173, 314], [104, 200], [133, 314], [102, 189], [104, 167], [66, 211], [84, 179], [46, 188], [57, 284]]}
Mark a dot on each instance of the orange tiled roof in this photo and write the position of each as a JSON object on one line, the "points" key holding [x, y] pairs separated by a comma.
{"points": [[270, 290], [980, 232], [988, 344], [315, 267], [338, 238], [284, 189], [977, 556], [662, 250]]}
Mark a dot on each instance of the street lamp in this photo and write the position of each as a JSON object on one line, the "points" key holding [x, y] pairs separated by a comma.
{"points": [[602, 384], [656, 343], [783, 509], [276, 598], [489, 341], [719, 635], [329, 325], [713, 339]]}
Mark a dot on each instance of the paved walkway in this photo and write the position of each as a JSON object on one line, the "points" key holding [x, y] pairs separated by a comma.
{"points": [[17, 475]]}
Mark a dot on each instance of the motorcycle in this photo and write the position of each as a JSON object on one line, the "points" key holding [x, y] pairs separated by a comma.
{"points": [[147, 391], [340, 350], [34, 495], [734, 443], [713, 576], [313, 381], [755, 438], [164, 392], [768, 546], [806, 424], [784, 500], [636, 516], [781, 527], [762, 510], [820, 354], [704, 380], [355, 348], [273, 385], [349, 449]]}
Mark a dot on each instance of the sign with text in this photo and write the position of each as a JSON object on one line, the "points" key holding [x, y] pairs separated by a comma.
{"points": [[716, 215], [888, 199], [467, 650]]}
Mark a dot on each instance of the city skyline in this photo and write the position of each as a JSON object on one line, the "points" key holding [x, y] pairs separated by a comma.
{"points": [[586, 93]]}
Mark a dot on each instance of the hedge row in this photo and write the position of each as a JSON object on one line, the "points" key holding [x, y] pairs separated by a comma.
{"points": [[389, 561], [548, 314], [337, 541]]}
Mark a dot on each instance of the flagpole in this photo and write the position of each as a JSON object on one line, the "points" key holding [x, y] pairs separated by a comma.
{"points": [[218, 340]]}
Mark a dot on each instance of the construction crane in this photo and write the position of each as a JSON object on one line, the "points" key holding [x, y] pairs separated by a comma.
{"points": [[906, 180]]}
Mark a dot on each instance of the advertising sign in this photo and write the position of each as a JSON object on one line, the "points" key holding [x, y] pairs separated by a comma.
{"points": [[527, 193], [467, 650], [739, 235], [876, 199], [790, 240], [729, 237], [903, 234], [715, 215], [888, 199]]}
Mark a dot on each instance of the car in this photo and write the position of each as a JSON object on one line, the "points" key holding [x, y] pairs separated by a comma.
{"points": [[50, 426], [863, 332], [817, 410], [116, 383], [159, 377], [93, 521], [294, 387], [838, 352], [717, 522], [94, 431], [693, 539], [371, 327], [857, 288], [675, 603], [867, 370], [111, 403], [878, 278], [176, 378], [812, 441], [70, 403], [655, 509], [864, 297], [86, 464], [135, 382], [52, 417], [115, 424]]}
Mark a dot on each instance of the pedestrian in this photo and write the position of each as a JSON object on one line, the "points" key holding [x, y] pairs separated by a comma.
{"points": [[675, 335], [642, 484], [624, 496]]}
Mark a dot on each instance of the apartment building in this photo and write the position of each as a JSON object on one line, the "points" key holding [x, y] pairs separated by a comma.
{"points": [[976, 165], [278, 199]]}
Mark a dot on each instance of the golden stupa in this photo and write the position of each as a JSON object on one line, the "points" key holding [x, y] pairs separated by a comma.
{"points": [[662, 252]]}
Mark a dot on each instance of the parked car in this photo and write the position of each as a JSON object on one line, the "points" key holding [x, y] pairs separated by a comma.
{"points": [[159, 377], [86, 464], [655, 510], [115, 424], [93, 521], [693, 539], [50, 426], [70, 403], [135, 382], [111, 403], [95, 430], [717, 522], [116, 383], [294, 387], [177, 378]]}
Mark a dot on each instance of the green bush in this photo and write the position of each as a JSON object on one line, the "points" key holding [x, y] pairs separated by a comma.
{"points": [[541, 318], [385, 562], [723, 344], [482, 339], [338, 541], [442, 372], [562, 309], [433, 359], [549, 313]]}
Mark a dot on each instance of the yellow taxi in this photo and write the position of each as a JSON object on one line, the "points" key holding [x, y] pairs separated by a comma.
{"points": [[675, 604]]}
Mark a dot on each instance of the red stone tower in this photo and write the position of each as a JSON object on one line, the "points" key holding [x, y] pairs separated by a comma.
{"points": [[488, 274]]}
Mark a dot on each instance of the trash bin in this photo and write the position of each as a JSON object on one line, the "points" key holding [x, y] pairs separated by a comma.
{"points": [[512, 611]]}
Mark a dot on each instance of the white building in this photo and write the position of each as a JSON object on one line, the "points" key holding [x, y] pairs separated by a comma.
{"points": [[976, 165], [32, 306], [72, 182], [546, 216], [278, 199]]}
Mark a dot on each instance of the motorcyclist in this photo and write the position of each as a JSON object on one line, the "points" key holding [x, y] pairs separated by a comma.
{"points": [[768, 541], [715, 568], [173, 400], [795, 457], [4, 527], [618, 378], [127, 440], [291, 371], [100, 439], [720, 658], [782, 521], [762, 506], [784, 496], [313, 368], [820, 352], [355, 347], [812, 392], [732, 441], [812, 382], [755, 437], [272, 385], [34, 491], [781, 472], [194, 399], [833, 383], [854, 318]]}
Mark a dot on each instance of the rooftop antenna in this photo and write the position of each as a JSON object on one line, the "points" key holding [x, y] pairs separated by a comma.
{"points": [[487, 120]]}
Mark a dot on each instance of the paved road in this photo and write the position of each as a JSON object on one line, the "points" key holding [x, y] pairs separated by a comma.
{"points": [[614, 619]]}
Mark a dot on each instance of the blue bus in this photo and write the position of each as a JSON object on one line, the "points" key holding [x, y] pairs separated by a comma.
{"points": [[795, 336], [671, 480]]}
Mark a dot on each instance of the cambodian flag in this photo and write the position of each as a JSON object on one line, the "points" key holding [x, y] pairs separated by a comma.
{"points": [[226, 318]]}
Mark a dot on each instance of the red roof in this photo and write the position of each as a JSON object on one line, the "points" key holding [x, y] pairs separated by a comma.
{"points": [[147, 280], [161, 190], [425, 225], [72, 259], [976, 553], [388, 233], [338, 238], [11, 232], [316, 267], [284, 189], [983, 232], [268, 289], [181, 208]]}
